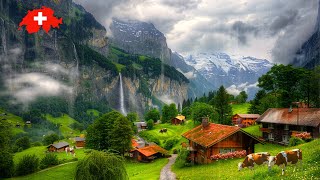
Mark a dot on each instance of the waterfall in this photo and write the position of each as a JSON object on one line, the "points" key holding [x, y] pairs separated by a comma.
{"points": [[74, 79], [3, 39], [76, 57], [122, 108]]}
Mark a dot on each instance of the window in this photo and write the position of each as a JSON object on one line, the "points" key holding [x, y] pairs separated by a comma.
{"points": [[270, 126], [226, 150], [270, 136], [302, 128], [285, 138], [286, 127]]}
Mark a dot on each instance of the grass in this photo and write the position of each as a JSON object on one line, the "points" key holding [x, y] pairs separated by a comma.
{"points": [[14, 120], [240, 108], [254, 130], [93, 111], [119, 66], [65, 122], [150, 171], [227, 169], [58, 172], [173, 131]]}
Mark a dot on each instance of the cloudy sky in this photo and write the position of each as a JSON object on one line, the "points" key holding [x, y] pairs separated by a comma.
{"points": [[271, 29]]}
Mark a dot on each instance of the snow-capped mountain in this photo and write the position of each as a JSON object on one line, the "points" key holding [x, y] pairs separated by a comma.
{"points": [[232, 71]]}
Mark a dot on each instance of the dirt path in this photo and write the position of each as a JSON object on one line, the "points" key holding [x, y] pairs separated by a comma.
{"points": [[55, 166], [166, 173]]}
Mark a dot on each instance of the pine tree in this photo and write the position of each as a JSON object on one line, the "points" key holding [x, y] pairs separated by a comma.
{"points": [[222, 106]]}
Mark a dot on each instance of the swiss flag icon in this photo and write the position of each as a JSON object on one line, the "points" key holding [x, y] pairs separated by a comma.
{"points": [[38, 18]]}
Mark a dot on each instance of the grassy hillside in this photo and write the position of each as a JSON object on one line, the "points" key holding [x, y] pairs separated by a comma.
{"points": [[227, 169], [14, 120], [65, 121], [254, 130], [240, 108]]}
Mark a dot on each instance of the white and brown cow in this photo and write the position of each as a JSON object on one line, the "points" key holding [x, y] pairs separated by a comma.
{"points": [[285, 157], [255, 158]]}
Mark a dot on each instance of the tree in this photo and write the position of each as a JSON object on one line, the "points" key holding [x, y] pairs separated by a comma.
{"points": [[101, 165], [50, 139], [222, 106], [242, 97], [253, 109], [6, 156], [268, 101], [150, 124], [23, 142], [27, 165], [132, 117], [169, 112], [121, 135], [187, 112], [200, 110], [153, 114], [111, 131]]}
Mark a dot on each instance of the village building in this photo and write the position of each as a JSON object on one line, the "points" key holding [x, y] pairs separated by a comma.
{"points": [[180, 119], [148, 153], [58, 147], [244, 120], [80, 142], [279, 124], [141, 125], [137, 143], [209, 139]]}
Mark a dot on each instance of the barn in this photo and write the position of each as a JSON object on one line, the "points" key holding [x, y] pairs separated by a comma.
{"points": [[80, 142], [178, 120], [244, 120], [279, 124], [58, 147], [209, 139], [148, 153]]}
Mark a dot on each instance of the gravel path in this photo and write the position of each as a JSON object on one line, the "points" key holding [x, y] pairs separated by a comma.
{"points": [[166, 173]]}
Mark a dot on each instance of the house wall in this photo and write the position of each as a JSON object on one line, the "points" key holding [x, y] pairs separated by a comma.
{"points": [[80, 143], [52, 149], [244, 121]]}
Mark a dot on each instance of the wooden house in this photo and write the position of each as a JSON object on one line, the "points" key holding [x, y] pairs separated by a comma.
{"points": [[180, 119], [148, 153], [58, 147], [80, 142], [209, 139], [244, 120], [279, 124]]}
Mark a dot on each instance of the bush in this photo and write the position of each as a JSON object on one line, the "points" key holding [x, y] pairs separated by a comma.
{"points": [[23, 142], [27, 165], [37, 143], [6, 164], [50, 139], [101, 165], [182, 159], [49, 160], [170, 143], [148, 137], [294, 141], [150, 124]]}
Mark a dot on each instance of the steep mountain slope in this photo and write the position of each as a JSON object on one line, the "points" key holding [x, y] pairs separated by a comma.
{"points": [[222, 69], [309, 54], [77, 63]]}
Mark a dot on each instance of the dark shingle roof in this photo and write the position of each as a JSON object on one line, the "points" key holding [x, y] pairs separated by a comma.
{"points": [[60, 144], [79, 139]]}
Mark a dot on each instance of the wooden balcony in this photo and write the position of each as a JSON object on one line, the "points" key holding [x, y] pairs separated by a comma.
{"points": [[265, 130]]}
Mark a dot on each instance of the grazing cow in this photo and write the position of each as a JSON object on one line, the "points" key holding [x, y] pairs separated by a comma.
{"points": [[71, 151], [255, 158], [164, 130], [285, 157]]}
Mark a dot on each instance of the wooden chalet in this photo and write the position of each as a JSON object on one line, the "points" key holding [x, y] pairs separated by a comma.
{"points": [[210, 139], [180, 119], [80, 142], [148, 153], [244, 120], [58, 147], [279, 124]]}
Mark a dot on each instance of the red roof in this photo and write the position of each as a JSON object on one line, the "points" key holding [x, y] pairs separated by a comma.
{"points": [[211, 135], [305, 116], [253, 116], [134, 143], [151, 150]]}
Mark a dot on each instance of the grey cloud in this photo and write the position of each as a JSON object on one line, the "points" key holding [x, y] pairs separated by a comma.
{"points": [[283, 21], [241, 30], [182, 5]]}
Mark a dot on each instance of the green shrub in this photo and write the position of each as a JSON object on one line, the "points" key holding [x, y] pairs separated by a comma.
{"points": [[50, 159], [37, 143], [6, 164], [182, 159], [148, 137], [150, 124], [23, 142], [170, 143], [27, 165], [294, 141]]}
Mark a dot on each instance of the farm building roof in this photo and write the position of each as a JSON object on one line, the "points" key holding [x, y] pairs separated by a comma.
{"points": [[298, 116], [253, 116], [79, 139], [212, 134], [59, 145], [180, 117], [151, 150], [134, 143]]}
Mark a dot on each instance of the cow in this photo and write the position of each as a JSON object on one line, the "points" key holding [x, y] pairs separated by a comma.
{"points": [[71, 151], [254, 158], [285, 157], [164, 130]]}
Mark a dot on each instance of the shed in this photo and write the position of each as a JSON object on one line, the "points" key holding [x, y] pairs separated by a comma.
{"points": [[58, 147], [244, 120], [148, 153], [178, 119], [80, 141]]}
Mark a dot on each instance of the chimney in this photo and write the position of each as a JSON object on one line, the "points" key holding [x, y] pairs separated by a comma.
{"points": [[205, 122]]}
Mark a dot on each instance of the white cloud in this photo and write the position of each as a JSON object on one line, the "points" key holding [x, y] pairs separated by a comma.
{"points": [[235, 90]]}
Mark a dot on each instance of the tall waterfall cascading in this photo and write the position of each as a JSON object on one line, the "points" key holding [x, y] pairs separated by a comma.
{"points": [[74, 75], [3, 39], [122, 106]]}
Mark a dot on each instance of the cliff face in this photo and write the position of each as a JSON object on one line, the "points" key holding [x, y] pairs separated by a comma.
{"points": [[55, 64]]}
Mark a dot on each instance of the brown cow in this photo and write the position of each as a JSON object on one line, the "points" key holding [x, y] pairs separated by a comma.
{"points": [[255, 158], [285, 157]]}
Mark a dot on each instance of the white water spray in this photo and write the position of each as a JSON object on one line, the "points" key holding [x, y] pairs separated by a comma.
{"points": [[122, 108]]}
